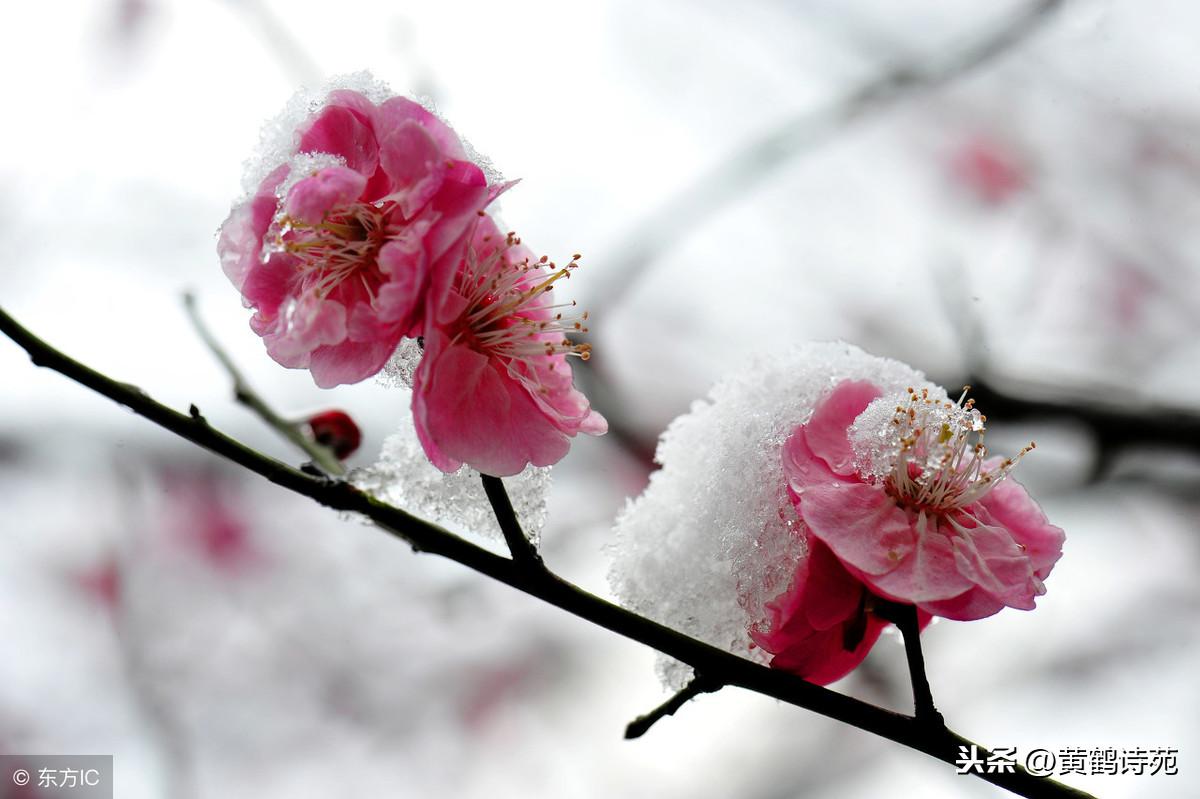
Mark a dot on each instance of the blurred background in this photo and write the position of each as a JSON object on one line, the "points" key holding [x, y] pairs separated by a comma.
{"points": [[1001, 192]]}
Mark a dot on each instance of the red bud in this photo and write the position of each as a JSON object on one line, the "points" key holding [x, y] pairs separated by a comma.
{"points": [[337, 431]]}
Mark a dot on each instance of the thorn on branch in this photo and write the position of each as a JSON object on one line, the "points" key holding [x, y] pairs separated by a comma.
{"points": [[699, 685]]}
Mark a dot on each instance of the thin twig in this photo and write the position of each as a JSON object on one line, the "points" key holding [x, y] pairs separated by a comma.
{"points": [[734, 175], [286, 47], [716, 664], [521, 548], [642, 724], [321, 456]]}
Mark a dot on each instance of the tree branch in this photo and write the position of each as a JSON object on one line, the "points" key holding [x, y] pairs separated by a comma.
{"points": [[1115, 427], [521, 548], [322, 457], [714, 663], [642, 724]]}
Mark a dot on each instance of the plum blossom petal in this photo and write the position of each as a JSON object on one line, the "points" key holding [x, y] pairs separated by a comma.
{"points": [[313, 197], [241, 235], [826, 431], [342, 363], [414, 163], [304, 327], [969, 606], [344, 132], [801, 466], [1009, 506], [860, 524], [825, 624], [989, 557], [471, 411], [398, 111], [930, 574]]}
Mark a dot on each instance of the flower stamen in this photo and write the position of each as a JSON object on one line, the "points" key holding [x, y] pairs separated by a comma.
{"points": [[343, 245], [507, 314], [932, 456]]}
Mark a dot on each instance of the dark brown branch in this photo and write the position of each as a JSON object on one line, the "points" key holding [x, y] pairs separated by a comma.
{"points": [[715, 664], [754, 162], [642, 724], [321, 456], [905, 619], [521, 548], [1115, 426]]}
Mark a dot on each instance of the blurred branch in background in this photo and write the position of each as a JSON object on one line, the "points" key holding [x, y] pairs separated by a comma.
{"points": [[755, 161], [291, 54], [720, 668], [1116, 427]]}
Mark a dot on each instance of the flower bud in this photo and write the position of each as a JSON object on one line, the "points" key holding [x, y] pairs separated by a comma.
{"points": [[335, 430]]}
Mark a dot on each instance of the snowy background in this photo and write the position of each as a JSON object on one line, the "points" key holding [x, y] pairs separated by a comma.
{"points": [[1035, 221]]}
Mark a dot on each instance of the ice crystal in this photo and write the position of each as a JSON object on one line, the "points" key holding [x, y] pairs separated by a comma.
{"points": [[281, 134], [399, 370], [404, 477]]}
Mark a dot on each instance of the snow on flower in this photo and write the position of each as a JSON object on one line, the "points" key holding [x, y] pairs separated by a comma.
{"points": [[354, 233], [721, 546], [493, 388]]}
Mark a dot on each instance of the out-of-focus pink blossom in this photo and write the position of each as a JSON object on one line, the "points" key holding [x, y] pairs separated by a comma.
{"points": [[907, 500], [989, 170], [102, 582], [494, 389], [342, 254], [207, 522]]}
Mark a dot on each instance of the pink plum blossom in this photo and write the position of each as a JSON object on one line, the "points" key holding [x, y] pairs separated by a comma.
{"points": [[901, 492], [347, 247], [494, 388]]}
